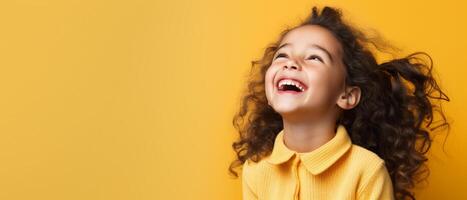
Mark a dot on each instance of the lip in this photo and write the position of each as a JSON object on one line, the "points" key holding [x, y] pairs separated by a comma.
{"points": [[282, 77], [289, 92]]}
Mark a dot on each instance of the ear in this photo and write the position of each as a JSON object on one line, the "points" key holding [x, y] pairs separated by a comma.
{"points": [[349, 98]]}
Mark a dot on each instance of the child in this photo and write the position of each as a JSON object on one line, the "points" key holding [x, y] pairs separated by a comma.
{"points": [[321, 119]]}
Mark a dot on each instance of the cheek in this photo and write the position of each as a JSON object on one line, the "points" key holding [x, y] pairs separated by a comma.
{"points": [[268, 79], [325, 84], [269, 82]]}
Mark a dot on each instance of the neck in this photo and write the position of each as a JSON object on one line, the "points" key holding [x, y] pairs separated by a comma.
{"points": [[305, 136]]}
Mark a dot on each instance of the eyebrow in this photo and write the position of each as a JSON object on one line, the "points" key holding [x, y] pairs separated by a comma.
{"points": [[312, 45]]}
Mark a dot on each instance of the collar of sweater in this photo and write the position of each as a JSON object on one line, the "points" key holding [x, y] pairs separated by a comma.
{"points": [[317, 160]]}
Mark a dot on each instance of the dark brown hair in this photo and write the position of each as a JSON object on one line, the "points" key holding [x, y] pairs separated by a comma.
{"points": [[388, 120]]}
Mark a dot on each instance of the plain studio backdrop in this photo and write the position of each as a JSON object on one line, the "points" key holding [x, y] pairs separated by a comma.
{"points": [[134, 99]]}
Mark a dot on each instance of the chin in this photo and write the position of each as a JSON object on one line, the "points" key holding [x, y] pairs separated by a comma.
{"points": [[285, 108]]}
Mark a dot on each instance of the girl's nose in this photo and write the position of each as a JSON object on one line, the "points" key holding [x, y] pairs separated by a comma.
{"points": [[291, 65]]}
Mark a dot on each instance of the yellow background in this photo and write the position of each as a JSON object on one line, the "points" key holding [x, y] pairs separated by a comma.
{"points": [[134, 99]]}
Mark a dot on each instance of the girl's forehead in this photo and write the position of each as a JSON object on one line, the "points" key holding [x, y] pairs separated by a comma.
{"points": [[312, 35]]}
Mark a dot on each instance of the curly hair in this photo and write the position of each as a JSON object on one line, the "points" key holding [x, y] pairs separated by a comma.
{"points": [[388, 120]]}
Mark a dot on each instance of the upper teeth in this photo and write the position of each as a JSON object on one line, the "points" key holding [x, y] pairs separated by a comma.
{"points": [[290, 82]]}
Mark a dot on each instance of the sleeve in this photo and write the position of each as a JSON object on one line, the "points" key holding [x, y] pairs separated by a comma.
{"points": [[378, 186], [248, 190]]}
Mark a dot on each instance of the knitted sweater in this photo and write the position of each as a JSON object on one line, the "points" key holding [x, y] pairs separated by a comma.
{"points": [[336, 170]]}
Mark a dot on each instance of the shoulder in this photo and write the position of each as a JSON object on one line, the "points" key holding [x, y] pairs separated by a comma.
{"points": [[366, 163], [252, 173], [256, 170], [365, 156], [374, 176], [251, 168]]}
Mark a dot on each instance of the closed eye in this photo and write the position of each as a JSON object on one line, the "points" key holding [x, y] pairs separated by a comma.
{"points": [[316, 57], [281, 55], [312, 57]]}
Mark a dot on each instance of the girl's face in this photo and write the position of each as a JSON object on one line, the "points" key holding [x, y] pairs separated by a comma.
{"points": [[309, 58]]}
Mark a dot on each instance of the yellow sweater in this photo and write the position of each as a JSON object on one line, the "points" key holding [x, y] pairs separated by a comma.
{"points": [[336, 170]]}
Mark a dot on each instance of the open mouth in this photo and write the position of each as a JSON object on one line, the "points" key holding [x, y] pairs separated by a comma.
{"points": [[290, 86]]}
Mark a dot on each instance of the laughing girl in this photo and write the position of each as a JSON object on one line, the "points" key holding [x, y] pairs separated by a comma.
{"points": [[322, 119]]}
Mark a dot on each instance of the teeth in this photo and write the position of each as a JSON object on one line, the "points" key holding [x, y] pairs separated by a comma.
{"points": [[290, 82]]}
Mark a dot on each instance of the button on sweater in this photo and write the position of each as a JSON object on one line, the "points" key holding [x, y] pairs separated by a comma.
{"points": [[336, 170]]}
